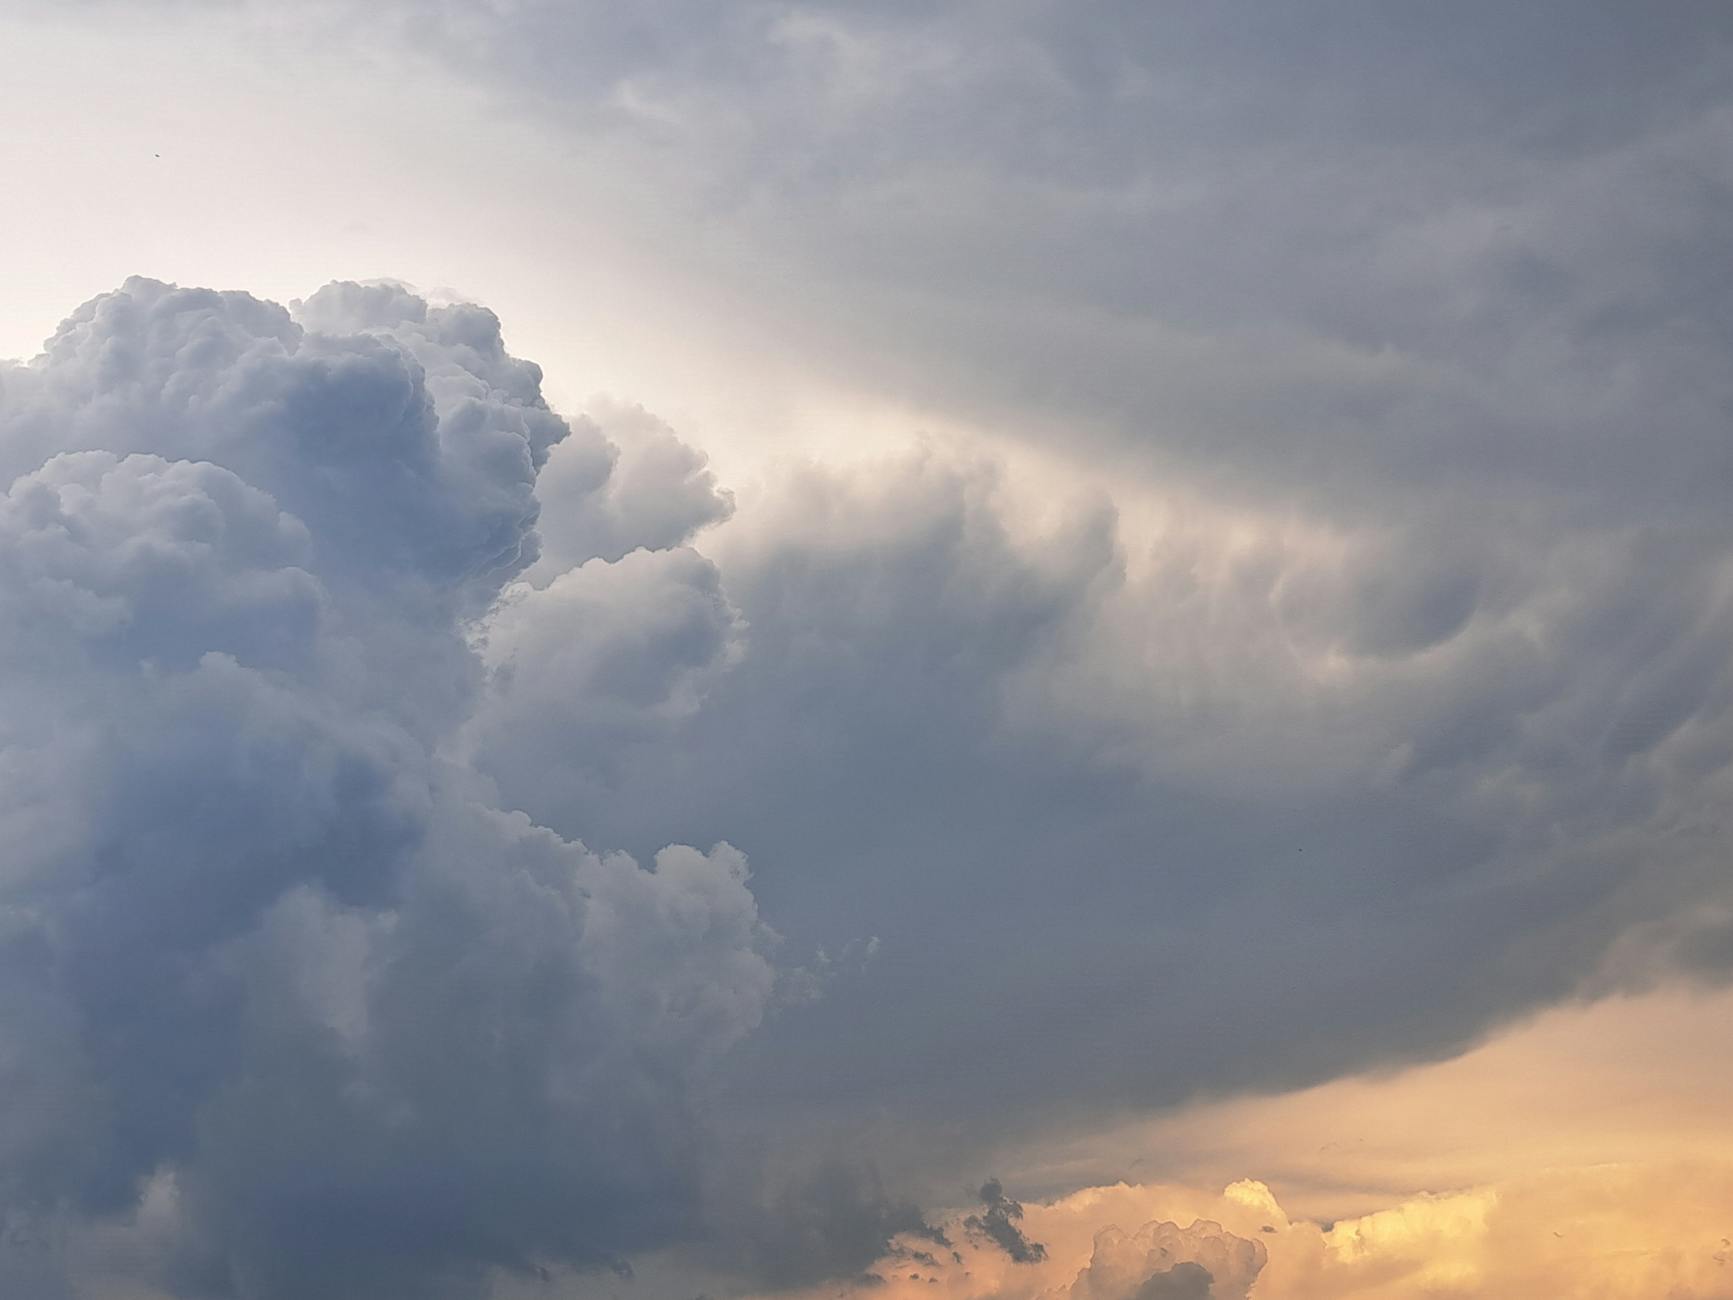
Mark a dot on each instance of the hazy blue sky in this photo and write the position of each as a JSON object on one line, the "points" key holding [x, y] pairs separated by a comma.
{"points": [[846, 626]]}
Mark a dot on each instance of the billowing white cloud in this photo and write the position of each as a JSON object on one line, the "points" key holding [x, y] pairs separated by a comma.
{"points": [[1162, 1261]]}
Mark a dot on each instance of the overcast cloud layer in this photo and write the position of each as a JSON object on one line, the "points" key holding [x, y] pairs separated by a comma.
{"points": [[1314, 657]]}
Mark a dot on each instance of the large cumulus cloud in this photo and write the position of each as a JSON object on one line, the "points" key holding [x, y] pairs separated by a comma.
{"points": [[314, 985], [292, 1007], [1386, 700]]}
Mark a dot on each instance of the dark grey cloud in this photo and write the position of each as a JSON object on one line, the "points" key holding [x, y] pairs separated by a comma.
{"points": [[998, 1220], [654, 492], [1346, 255], [1184, 1281], [1438, 284], [1132, 826], [812, 1220]]}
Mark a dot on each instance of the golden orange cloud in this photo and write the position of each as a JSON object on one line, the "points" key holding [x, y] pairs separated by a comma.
{"points": [[1610, 1233], [1586, 1155]]}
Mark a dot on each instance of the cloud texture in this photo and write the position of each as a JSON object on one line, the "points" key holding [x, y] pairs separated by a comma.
{"points": [[1612, 1231], [288, 995], [299, 1001], [289, 974], [1310, 655]]}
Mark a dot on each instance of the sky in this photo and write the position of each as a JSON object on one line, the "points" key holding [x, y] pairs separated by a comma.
{"points": [[792, 650]]}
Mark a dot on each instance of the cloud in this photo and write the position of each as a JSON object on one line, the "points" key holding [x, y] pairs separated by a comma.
{"points": [[655, 493], [998, 1223], [1093, 1258], [1369, 692], [1162, 1261], [1279, 799], [306, 736], [1606, 1230], [606, 660], [1181, 244], [1170, 245], [816, 1219], [291, 1006]]}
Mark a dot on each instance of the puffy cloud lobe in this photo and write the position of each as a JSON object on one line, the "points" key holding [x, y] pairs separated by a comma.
{"points": [[151, 561], [504, 1083], [1162, 1261], [655, 492], [408, 444], [290, 1008], [604, 661]]}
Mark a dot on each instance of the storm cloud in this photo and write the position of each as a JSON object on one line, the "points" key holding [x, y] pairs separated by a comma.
{"points": [[275, 965], [290, 969], [1301, 648]]}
